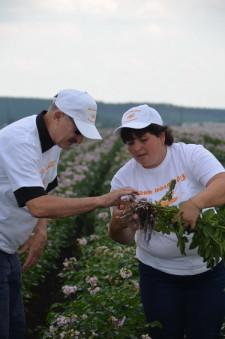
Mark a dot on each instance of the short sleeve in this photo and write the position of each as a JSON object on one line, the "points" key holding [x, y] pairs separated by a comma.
{"points": [[116, 183], [20, 162], [203, 165]]}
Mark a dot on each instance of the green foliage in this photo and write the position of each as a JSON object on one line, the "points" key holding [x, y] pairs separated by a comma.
{"points": [[209, 234], [107, 308], [169, 193], [208, 237], [213, 141], [114, 311], [59, 234], [62, 231]]}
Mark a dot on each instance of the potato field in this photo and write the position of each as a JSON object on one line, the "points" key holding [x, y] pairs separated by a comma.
{"points": [[85, 286]]}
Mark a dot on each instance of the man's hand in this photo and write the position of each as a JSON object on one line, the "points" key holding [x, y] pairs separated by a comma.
{"points": [[114, 198], [35, 245]]}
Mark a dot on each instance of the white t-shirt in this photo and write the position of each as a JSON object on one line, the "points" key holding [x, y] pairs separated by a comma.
{"points": [[192, 166], [24, 167]]}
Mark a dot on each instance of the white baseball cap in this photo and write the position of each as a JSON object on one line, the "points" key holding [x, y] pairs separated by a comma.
{"points": [[140, 117], [82, 108]]}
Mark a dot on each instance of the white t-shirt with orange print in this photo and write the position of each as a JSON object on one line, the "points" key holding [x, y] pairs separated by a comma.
{"points": [[22, 164], [192, 166]]}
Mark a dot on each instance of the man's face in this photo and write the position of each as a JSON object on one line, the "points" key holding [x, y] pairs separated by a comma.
{"points": [[66, 132]]}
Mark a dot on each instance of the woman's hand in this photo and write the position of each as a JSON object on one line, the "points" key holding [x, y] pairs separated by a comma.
{"points": [[124, 224], [126, 217], [189, 213]]}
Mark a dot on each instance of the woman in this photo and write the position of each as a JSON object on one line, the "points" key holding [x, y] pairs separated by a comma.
{"points": [[180, 292]]}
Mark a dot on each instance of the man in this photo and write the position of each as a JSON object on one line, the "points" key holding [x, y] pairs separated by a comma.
{"points": [[29, 155]]}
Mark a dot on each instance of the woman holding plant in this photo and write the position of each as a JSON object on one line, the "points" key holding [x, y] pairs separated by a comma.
{"points": [[178, 290]]}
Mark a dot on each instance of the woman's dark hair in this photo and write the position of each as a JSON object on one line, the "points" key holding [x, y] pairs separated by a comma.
{"points": [[128, 134]]}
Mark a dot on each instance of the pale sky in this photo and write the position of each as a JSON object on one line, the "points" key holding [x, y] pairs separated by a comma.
{"points": [[159, 51]]}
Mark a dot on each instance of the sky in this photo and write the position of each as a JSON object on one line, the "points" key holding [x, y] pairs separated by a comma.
{"points": [[159, 51]]}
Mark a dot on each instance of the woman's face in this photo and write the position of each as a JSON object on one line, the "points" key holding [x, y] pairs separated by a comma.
{"points": [[148, 150]]}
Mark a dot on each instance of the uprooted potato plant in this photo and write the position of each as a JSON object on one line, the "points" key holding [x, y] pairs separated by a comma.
{"points": [[208, 236]]}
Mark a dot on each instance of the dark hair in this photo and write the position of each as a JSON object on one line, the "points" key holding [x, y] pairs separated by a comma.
{"points": [[128, 134]]}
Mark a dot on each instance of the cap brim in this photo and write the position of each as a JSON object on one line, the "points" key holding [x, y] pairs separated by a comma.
{"points": [[88, 130], [134, 125]]}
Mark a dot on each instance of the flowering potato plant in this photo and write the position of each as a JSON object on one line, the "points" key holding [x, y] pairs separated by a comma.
{"points": [[100, 292], [97, 292]]}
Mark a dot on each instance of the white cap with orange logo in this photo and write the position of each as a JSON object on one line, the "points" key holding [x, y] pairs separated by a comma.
{"points": [[140, 117], [82, 108]]}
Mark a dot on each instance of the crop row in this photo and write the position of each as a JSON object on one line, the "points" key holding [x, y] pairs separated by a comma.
{"points": [[94, 289]]}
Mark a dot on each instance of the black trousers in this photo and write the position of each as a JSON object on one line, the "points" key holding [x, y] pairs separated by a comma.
{"points": [[193, 306]]}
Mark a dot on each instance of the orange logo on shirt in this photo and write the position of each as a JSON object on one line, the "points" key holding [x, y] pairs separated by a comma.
{"points": [[160, 188], [50, 165]]}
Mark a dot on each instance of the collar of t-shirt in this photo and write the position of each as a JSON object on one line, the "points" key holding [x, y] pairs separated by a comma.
{"points": [[24, 194], [45, 139]]}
